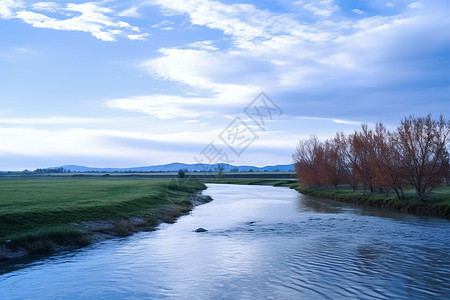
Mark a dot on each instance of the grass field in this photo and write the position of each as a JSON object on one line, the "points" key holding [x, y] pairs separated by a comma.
{"points": [[33, 209]]}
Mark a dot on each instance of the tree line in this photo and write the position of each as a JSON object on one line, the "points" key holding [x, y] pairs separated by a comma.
{"points": [[414, 155], [36, 171]]}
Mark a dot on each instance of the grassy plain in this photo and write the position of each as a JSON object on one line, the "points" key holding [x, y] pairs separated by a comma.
{"points": [[49, 209]]}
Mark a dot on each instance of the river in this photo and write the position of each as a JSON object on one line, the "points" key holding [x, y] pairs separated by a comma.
{"points": [[262, 242]]}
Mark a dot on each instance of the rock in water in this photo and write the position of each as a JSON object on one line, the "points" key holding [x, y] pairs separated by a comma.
{"points": [[201, 229]]}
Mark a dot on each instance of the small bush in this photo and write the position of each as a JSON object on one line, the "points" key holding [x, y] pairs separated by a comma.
{"points": [[151, 221], [123, 228], [186, 203], [39, 247], [83, 240], [175, 212], [184, 210]]}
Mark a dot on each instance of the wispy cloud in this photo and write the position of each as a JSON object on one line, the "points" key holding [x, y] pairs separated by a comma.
{"points": [[163, 106], [15, 53], [337, 121], [416, 5], [323, 8], [204, 45], [131, 12], [323, 57], [358, 11], [164, 25], [52, 121], [47, 6], [7, 8], [98, 20]]}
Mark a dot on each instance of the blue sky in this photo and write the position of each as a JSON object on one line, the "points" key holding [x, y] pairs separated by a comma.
{"points": [[131, 83]]}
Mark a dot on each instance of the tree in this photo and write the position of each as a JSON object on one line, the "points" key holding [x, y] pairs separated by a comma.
{"points": [[416, 154], [220, 169], [181, 173], [346, 160], [331, 168], [305, 160], [422, 145], [387, 160], [363, 156]]}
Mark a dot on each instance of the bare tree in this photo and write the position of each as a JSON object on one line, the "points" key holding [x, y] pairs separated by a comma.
{"points": [[220, 169], [422, 144], [388, 162], [347, 160], [305, 161], [363, 156]]}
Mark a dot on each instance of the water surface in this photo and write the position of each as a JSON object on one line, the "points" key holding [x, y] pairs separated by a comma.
{"points": [[263, 243]]}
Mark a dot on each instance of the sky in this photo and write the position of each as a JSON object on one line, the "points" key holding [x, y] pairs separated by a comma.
{"points": [[144, 82]]}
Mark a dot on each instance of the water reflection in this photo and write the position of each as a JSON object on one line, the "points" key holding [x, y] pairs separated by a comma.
{"points": [[309, 203]]}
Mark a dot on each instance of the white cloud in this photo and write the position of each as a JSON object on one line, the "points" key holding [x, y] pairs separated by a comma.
{"points": [[164, 25], [131, 12], [241, 21], [51, 121], [138, 37], [279, 53], [357, 11], [171, 106], [389, 4], [47, 6], [323, 8], [216, 72], [89, 17], [87, 143], [337, 121], [204, 45], [162, 106], [416, 5], [7, 8], [98, 142]]}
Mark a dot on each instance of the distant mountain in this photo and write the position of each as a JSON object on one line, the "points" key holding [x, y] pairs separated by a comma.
{"points": [[177, 166]]}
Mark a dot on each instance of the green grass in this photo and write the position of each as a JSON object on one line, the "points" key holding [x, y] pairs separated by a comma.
{"points": [[440, 196], [33, 209]]}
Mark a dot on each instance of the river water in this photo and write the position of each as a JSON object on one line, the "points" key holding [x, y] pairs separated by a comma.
{"points": [[262, 243]]}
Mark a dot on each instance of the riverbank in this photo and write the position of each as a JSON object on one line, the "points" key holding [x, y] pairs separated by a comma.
{"points": [[437, 204], [40, 216]]}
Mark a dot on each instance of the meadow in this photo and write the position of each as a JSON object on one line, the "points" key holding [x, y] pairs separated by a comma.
{"points": [[49, 210]]}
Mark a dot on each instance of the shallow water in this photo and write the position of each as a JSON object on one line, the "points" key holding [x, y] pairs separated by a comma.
{"points": [[263, 243]]}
